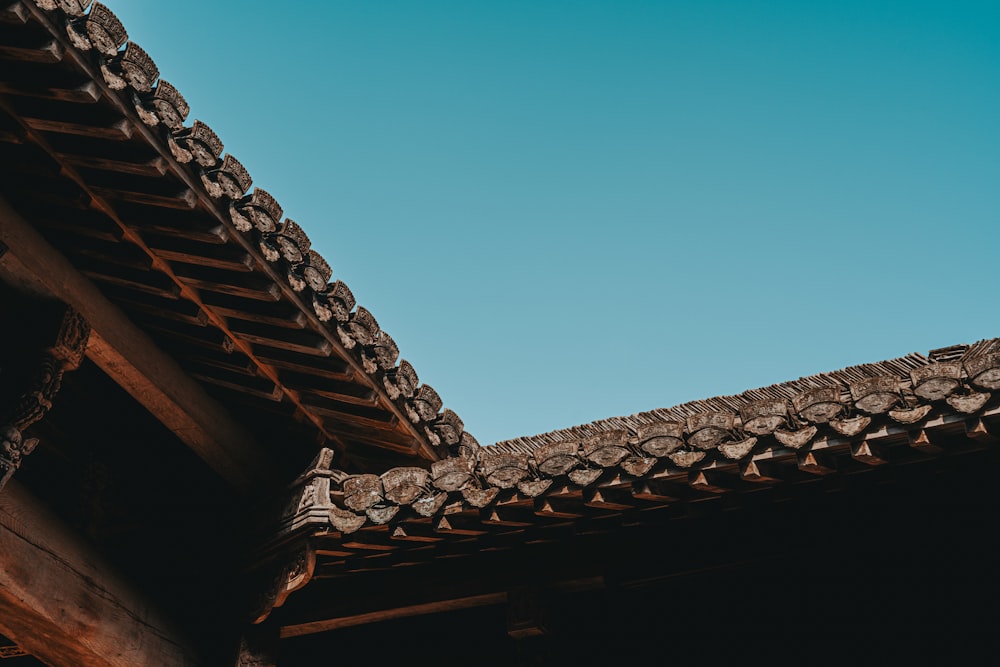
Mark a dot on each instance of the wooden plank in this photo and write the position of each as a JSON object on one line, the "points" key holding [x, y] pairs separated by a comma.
{"points": [[117, 131], [86, 93], [14, 14], [62, 603], [922, 441], [183, 200], [149, 168], [331, 367], [305, 342], [180, 251], [390, 614], [260, 290], [132, 359], [977, 430], [360, 415], [47, 53], [259, 388], [114, 278]]}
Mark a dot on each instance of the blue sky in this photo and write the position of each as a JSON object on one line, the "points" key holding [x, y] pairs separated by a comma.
{"points": [[565, 211]]}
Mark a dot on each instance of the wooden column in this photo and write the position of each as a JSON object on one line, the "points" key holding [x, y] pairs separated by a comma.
{"points": [[63, 604]]}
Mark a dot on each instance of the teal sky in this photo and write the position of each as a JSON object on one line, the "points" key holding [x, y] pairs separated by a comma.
{"points": [[565, 211]]}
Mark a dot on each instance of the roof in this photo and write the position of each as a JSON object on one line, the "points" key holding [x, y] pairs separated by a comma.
{"points": [[897, 411], [99, 155]]}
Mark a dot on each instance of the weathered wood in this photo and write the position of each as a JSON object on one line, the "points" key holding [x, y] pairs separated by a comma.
{"points": [[815, 463], [86, 93], [763, 471], [709, 480], [183, 200], [61, 602], [135, 68], [48, 53], [279, 314], [978, 431], [868, 453], [129, 357], [260, 290], [117, 131], [922, 441], [150, 168], [219, 259], [14, 13], [469, 602]]}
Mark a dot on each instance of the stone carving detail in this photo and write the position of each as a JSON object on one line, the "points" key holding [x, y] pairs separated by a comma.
{"points": [[65, 354]]}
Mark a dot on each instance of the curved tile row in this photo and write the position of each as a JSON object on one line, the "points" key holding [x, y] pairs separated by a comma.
{"points": [[126, 67], [476, 475]]}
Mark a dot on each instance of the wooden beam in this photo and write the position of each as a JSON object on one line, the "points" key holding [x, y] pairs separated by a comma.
{"points": [[63, 604], [86, 93], [152, 168], [117, 131], [131, 358], [977, 430], [388, 614]]}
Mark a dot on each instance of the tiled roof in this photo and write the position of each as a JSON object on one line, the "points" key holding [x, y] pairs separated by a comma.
{"points": [[763, 435], [174, 231]]}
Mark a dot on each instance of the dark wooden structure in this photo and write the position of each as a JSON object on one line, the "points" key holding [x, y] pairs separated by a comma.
{"points": [[212, 456]]}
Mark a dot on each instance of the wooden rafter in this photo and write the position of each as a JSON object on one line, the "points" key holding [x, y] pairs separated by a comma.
{"points": [[131, 358]]}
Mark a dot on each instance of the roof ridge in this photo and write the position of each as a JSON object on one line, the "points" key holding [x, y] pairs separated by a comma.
{"points": [[787, 391]]}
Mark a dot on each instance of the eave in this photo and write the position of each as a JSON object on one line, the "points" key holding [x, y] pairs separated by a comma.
{"points": [[96, 156]]}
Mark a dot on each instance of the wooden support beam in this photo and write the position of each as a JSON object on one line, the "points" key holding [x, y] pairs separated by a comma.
{"points": [[86, 93], [183, 200], [48, 53], [14, 14], [62, 603], [921, 441], [978, 431], [868, 453], [117, 131], [131, 358], [153, 168], [763, 471], [709, 480], [816, 463], [468, 602]]}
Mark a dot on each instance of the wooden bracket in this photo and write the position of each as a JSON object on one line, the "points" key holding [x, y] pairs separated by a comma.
{"points": [[293, 572], [816, 463], [921, 441], [978, 431], [64, 354]]}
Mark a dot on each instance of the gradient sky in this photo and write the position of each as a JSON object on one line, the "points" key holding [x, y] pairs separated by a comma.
{"points": [[565, 211]]}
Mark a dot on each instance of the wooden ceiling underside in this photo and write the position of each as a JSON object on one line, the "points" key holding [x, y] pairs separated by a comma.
{"points": [[153, 213]]}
